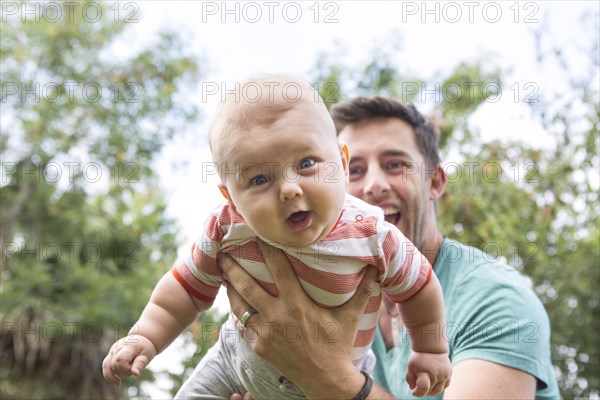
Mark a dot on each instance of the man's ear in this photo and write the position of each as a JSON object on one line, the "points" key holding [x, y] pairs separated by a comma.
{"points": [[224, 192], [345, 154], [438, 183]]}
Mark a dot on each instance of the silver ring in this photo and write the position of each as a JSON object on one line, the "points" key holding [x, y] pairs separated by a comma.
{"points": [[244, 318]]}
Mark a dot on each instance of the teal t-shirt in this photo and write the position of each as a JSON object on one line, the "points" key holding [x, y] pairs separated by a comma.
{"points": [[492, 314]]}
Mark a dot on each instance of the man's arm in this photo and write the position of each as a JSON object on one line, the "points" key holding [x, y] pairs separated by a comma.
{"points": [[494, 381], [320, 362]]}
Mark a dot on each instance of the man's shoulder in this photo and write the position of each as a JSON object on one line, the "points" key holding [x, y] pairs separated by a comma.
{"points": [[492, 312], [464, 259], [470, 275]]}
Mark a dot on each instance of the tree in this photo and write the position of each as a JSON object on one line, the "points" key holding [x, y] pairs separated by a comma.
{"points": [[538, 209], [83, 232]]}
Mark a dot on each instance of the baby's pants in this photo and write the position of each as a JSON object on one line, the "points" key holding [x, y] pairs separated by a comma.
{"points": [[231, 366]]}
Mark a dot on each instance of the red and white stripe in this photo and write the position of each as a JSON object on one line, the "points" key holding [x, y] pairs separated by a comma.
{"points": [[329, 271]]}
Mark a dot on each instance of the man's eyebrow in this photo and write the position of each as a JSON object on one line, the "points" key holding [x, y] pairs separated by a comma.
{"points": [[386, 153], [356, 158], [397, 153]]}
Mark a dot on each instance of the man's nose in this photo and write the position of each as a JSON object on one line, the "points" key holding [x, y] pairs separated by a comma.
{"points": [[289, 189], [376, 183]]}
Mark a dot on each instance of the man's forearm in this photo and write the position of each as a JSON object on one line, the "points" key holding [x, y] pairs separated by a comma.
{"points": [[380, 393], [342, 386]]}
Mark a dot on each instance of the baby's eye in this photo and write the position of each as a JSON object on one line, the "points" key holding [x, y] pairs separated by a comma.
{"points": [[306, 163], [259, 180]]}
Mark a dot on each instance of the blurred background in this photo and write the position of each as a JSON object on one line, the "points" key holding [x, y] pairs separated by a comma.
{"points": [[106, 173]]}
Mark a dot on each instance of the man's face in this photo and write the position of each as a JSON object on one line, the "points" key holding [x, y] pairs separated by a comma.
{"points": [[388, 170]]}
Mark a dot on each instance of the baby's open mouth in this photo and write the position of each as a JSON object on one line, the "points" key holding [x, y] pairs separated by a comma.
{"points": [[298, 216], [299, 220]]}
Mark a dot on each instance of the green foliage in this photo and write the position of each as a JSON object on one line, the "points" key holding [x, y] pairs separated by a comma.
{"points": [[568, 274], [329, 76], [537, 209], [336, 80], [83, 231], [468, 87]]}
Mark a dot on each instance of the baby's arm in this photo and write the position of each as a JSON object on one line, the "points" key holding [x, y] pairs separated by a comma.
{"points": [[429, 367], [168, 313]]}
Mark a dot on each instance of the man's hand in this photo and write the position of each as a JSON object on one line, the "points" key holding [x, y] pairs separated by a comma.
{"points": [[312, 346]]}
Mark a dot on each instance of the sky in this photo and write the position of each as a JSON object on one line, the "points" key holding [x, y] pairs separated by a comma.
{"points": [[235, 40]]}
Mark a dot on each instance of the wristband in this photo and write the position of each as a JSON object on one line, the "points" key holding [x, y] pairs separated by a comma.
{"points": [[366, 389]]}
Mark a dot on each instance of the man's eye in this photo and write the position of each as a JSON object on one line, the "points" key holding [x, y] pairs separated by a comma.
{"points": [[259, 180], [306, 163], [356, 170], [396, 164]]}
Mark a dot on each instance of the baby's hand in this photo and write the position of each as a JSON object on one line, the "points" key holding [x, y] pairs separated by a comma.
{"points": [[428, 373], [128, 356]]}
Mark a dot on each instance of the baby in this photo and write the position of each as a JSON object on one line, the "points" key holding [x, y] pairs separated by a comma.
{"points": [[284, 176]]}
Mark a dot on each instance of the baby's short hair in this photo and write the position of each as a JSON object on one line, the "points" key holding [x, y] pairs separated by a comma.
{"points": [[259, 101]]}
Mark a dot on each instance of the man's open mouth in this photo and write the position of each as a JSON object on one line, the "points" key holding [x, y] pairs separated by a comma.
{"points": [[391, 215]]}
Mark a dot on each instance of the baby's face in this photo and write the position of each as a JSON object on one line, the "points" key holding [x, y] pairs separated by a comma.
{"points": [[288, 180]]}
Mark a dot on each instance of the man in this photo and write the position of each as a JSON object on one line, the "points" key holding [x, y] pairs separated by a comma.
{"points": [[498, 331]]}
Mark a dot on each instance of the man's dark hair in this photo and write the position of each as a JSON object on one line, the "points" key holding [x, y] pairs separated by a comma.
{"points": [[363, 108]]}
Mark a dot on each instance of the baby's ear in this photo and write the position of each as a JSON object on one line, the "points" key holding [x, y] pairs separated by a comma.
{"points": [[345, 154], [224, 192]]}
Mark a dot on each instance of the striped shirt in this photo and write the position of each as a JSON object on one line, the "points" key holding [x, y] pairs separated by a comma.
{"points": [[329, 270]]}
